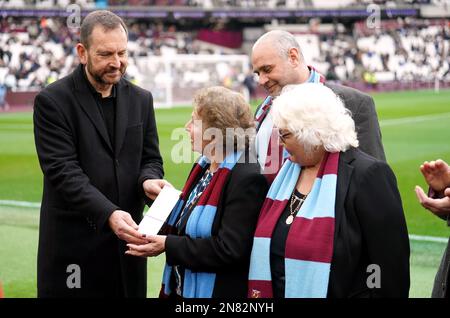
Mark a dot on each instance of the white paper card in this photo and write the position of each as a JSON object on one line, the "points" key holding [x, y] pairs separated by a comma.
{"points": [[159, 211]]}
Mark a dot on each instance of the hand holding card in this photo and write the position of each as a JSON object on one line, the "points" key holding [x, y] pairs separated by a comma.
{"points": [[159, 211]]}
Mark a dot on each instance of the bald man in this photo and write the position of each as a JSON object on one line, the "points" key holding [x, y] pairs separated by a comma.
{"points": [[278, 61]]}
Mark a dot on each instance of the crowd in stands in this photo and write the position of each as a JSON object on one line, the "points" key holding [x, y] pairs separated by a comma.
{"points": [[36, 52], [400, 52], [33, 52], [289, 4]]}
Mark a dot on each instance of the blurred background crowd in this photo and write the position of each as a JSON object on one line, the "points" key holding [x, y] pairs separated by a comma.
{"points": [[37, 47]]}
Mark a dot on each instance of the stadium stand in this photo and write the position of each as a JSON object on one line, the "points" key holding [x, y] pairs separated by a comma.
{"points": [[37, 50], [208, 4]]}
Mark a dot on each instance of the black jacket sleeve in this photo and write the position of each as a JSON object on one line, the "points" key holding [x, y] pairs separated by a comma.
{"points": [[151, 164], [363, 111], [231, 246], [56, 149], [368, 128], [434, 195], [383, 229]]}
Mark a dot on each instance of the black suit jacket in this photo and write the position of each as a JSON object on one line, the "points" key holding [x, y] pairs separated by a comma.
{"points": [[85, 180], [370, 228], [442, 279], [362, 108], [227, 251], [364, 114]]}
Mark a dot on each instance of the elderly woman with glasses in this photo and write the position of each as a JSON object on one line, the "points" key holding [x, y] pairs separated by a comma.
{"points": [[210, 230], [332, 224]]}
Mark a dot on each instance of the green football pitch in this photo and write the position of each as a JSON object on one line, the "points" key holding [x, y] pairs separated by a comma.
{"points": [[415, 128]]}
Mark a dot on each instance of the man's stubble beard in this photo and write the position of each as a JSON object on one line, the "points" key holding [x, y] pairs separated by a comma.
{"points": [[98, 78]]}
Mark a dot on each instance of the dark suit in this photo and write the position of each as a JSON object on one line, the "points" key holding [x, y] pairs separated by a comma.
{"points": [[370, 228], [365, 116], [86, 178], [227, 251], [441, 281]]}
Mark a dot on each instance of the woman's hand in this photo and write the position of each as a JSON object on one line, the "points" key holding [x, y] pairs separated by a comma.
{"points": [[155, 246]]}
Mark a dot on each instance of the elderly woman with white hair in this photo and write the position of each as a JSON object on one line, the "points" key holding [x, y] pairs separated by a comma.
{"points": [[332, 224]]}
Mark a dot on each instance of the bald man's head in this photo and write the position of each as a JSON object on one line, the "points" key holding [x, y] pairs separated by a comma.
{"points": [[283, 41], [277, 60]]}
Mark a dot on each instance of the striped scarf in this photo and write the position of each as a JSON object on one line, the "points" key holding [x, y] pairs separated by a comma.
{"points": [[274, 149], [199, 224], [262, 111], [309, 244]]}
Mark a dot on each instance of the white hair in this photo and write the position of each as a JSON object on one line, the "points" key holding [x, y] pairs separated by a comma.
{"points": [[282, 40], [316, 116]]}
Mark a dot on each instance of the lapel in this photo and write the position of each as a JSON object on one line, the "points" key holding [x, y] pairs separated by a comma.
{"points": [[89, 105], [182, 229], [122, 102], [185, 219], [257, 110], [345, 171]]}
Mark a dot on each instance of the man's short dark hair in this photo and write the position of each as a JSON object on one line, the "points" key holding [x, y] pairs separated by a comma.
{"points": [[107, 19]]}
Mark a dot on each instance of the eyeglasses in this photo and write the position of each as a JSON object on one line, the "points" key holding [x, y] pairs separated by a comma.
{"points": [[283, 136]]}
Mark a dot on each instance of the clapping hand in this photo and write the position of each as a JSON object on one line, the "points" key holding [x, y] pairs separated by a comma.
{"points": [[437, 176]]}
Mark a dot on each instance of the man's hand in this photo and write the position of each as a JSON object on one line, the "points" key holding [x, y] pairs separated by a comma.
{"points": [[439, 207], [436, 174], [125, 228], [155, 246], [152, 187]]}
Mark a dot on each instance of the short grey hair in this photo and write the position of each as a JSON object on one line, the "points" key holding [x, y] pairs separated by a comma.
{"points": [[316, 116], [105, 18], [282, 40], [226, 110]]}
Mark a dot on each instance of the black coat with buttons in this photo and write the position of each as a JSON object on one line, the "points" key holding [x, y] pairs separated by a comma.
{"points": [[441, 281], [86, 178]]}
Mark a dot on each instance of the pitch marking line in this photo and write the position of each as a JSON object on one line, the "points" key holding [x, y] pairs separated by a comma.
{"points": [[410, 120], [26, 204]]}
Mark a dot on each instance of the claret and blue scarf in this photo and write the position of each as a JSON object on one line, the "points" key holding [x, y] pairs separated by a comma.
{"points": [[274, 153], [199, 223], [309, 245]]}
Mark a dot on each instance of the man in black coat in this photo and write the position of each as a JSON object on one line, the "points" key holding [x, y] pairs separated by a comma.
{"points": [[97, 144], [278, 61]]}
